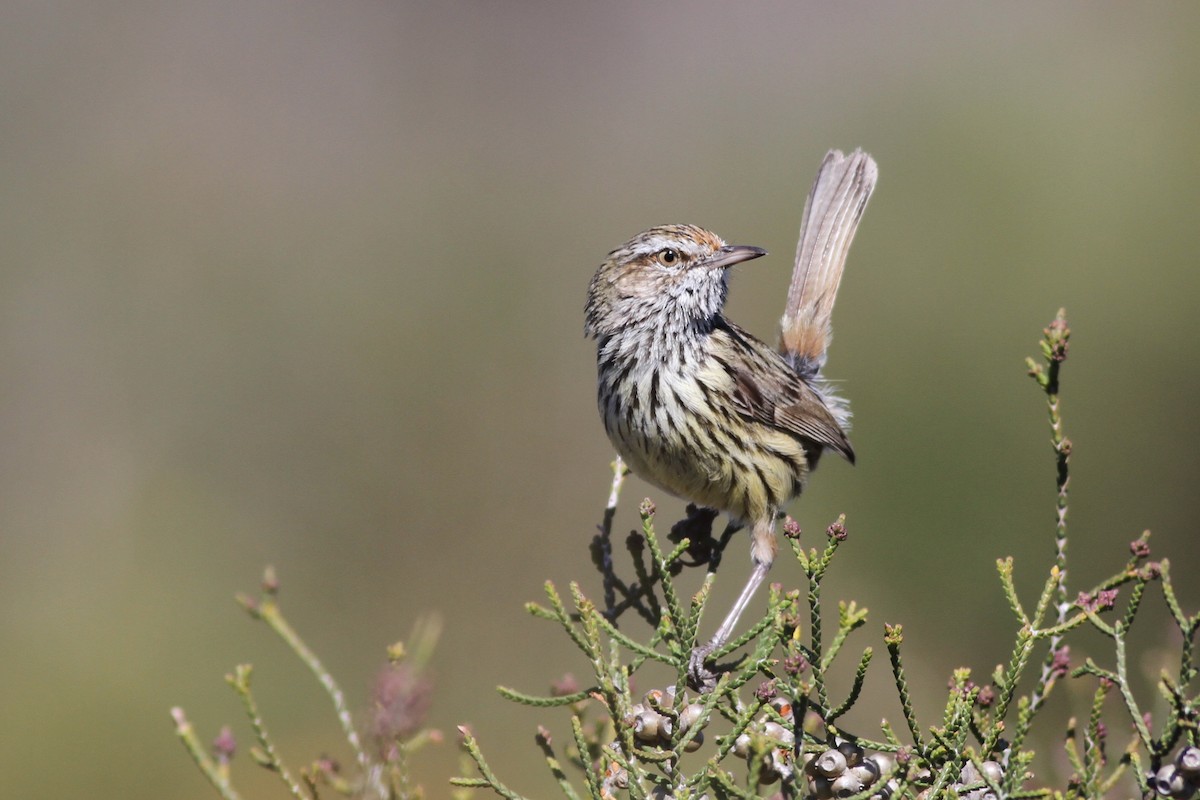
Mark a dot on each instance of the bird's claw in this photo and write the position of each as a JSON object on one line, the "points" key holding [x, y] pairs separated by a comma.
{"points": [[700, 677]]}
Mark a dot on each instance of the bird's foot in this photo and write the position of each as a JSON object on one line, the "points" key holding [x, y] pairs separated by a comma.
{"points": [[701, 677]]}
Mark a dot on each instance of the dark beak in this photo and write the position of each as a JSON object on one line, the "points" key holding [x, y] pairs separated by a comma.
{"points": [[731, 254]]}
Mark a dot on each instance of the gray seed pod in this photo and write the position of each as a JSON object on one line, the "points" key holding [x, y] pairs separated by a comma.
{"points": [[866, 772], [993, 771], [851, 751], [822, 787], [1188, 760], [768, 774], [690, 715], [1185, 791], [847, 784], [657, 698], [886, 791], [695, 743], [648, 725], [666, 727], [741, 746], [778, 733], [1169, 781], [781, 762], [831, 763], [883, 762], [969, 774]]}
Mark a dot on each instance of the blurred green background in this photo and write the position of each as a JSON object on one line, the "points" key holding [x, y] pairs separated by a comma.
{"points": [[301, 283]]}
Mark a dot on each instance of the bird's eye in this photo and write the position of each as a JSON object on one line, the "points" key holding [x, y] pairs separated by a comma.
{"points": [[668, 256]]}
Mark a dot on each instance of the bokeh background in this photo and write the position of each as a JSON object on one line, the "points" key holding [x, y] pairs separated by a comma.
{"points": [[301, 283]]}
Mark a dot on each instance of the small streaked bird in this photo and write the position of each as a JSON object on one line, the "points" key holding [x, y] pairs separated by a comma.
{"points": [[701, 408]]}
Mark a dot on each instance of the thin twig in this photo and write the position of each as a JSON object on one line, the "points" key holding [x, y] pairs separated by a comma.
{"points": [[240, 681], [212, 771]]}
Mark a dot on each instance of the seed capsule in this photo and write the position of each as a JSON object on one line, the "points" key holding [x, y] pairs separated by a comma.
{"points": [[657, 698], [886, 791], [782, 761], [866, 772], [831, 763], [993, 771], [741, 746], [690, 715], [1188, 761], [847, 784], [768, 774], [617, 776], [648, 725], [778, 733], [883, 762], [666, 728], [1169, 781], [852, 752]]}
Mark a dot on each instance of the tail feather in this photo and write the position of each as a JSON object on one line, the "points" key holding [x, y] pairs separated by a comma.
{"points": [[835, 205]]}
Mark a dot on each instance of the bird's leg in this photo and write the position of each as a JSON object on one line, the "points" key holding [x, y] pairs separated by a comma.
{"points": [[762, 553], [757, 576]]}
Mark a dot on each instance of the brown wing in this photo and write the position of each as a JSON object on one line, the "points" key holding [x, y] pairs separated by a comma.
{"points": [[769, 391]]}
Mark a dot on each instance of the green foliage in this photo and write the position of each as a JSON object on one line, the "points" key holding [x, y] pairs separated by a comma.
{"points": [[772, 723], [772, 720], [400, 702]]}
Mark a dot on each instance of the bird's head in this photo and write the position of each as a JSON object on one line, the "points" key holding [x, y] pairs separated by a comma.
{"points": [[668, 275]]}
